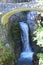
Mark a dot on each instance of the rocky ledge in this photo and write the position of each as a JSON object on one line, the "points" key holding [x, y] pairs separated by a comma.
{"points": [[5, 7]]}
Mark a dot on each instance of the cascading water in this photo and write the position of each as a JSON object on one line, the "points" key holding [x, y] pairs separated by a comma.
{"points": [[24, 37], [27, 51], [26, 55]]}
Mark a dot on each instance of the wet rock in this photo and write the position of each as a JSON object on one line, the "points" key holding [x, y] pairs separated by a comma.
{"points": [[18, 17], [35, 60]]}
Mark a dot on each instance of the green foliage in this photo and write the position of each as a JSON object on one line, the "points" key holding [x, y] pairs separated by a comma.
{"points": [[15, 31], [40, 55], [6, 56], [39, 29], [39, 36]]}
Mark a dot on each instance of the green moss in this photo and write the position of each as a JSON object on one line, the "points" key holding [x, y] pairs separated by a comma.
{"points": [[15, 31], [7, 56]]}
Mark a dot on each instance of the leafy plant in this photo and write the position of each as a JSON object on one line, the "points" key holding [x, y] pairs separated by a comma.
{"points": [[7, 56], [40, 55], [39, 36]]}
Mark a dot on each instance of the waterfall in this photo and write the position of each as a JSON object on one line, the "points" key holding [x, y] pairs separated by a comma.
{"points": [[26, 55], [24, 37], [27, 51]]}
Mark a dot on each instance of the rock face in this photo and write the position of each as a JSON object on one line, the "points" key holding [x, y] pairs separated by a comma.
{"points": [[6, 7], [14, 29]]}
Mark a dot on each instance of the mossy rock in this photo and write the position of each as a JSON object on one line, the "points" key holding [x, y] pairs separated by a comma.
{"points": [[14, 36], [7, 56]]}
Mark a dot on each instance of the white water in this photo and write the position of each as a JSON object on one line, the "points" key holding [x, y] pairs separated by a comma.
{"points": [[27, 51]]}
